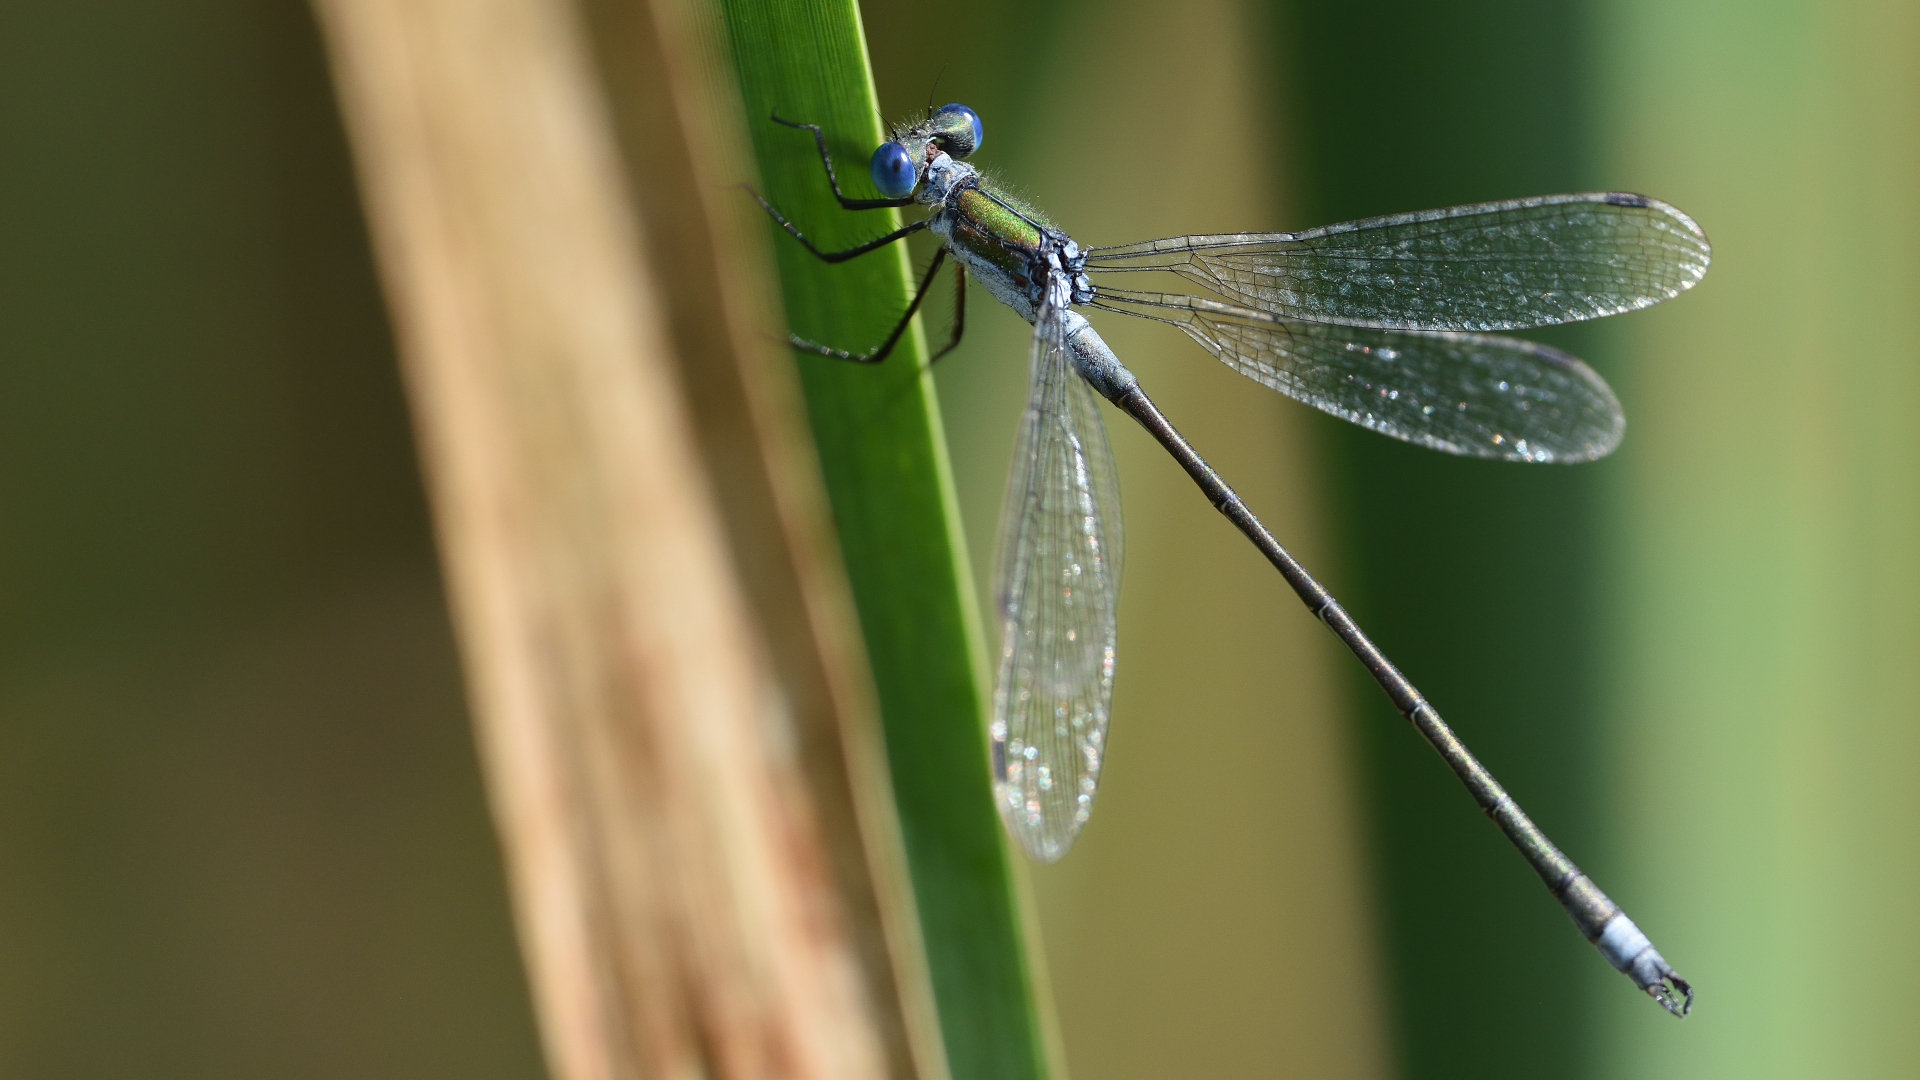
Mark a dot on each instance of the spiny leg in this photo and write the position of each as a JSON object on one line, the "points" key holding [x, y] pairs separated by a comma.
{"points": [[959, 309], [1599, 919], [879, 354], [834, 256], [833, 181]]}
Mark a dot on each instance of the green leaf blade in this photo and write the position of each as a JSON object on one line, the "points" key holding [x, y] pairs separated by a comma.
{"points": [[883, 453]]}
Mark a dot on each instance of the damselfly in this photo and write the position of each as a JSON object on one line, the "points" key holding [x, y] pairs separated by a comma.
{"points": [[1383, 322]]}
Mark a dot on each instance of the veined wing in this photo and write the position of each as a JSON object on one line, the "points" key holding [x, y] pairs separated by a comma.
{"points": [[1478, 395], [1491, 266], [1059, 578]]}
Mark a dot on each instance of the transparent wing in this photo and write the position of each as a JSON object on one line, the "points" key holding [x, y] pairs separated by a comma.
{"points": [[1491, 266], [1059, 575], [1478, 395]]}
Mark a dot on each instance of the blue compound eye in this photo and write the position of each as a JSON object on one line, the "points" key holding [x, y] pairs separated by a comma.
{"points": [[954, 137], [893, 171]]}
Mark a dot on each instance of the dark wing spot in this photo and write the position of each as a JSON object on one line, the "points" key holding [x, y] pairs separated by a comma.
{"points": [[1621, 198]]}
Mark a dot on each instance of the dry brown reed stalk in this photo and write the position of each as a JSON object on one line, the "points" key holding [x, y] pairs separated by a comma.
{"points": [[677, 734]]}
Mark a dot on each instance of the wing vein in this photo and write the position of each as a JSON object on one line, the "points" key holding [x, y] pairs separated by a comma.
{"points": [[1058, 581], [1491, 266]]}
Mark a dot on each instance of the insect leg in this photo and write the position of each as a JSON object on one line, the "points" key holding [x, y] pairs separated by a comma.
{"points": [[834, 256], [834, 181], [879, 354], [959, 310]]}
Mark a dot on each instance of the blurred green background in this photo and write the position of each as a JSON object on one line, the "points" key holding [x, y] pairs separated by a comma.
{"points": [[241, 832]]}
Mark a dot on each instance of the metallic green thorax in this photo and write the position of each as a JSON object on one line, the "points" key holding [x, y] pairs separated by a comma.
{"points": [[990, 231]]}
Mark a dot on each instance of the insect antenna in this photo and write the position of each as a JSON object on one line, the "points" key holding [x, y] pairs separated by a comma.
{"points": [[933, 88]]}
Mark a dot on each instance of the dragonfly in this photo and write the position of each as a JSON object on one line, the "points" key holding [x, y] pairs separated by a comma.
{"points": [[1388, 322]]}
